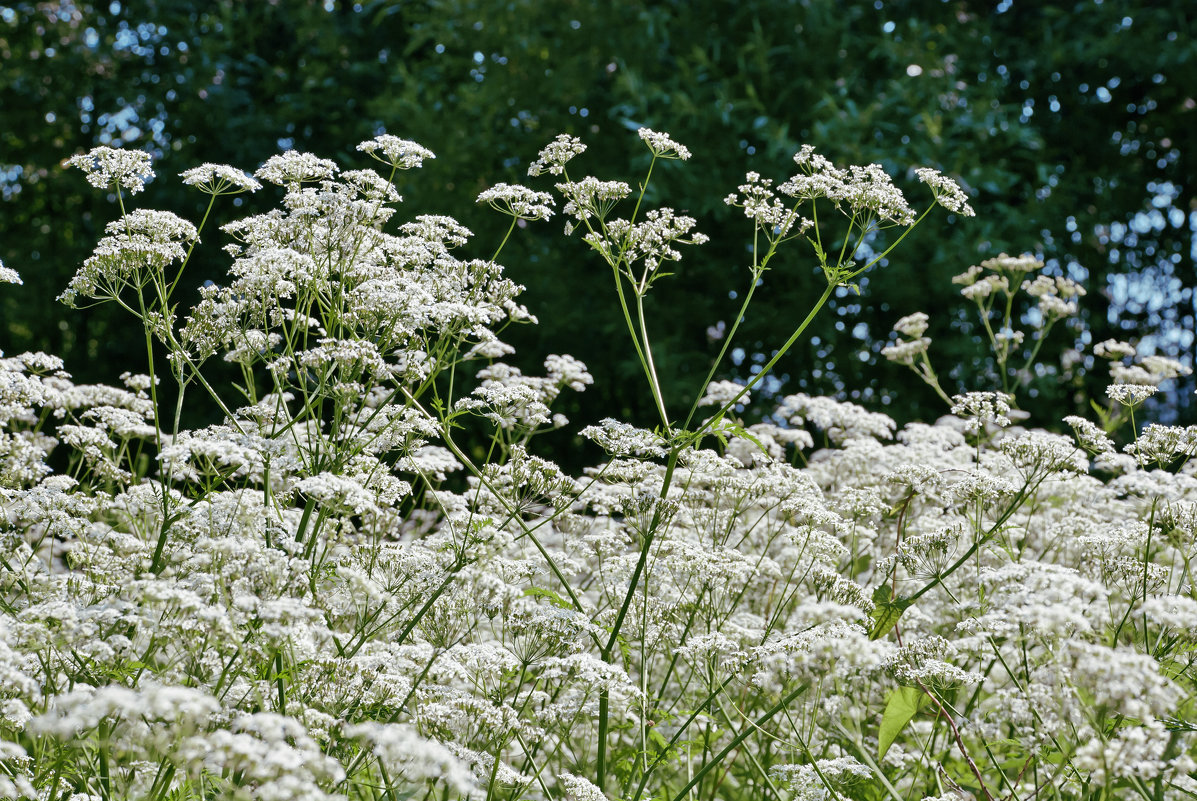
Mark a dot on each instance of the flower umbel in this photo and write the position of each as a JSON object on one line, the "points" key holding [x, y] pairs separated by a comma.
{"points": [[556, 154], [518, 201], [662, 146], [219, 179], [402, 154], [109, 168]]}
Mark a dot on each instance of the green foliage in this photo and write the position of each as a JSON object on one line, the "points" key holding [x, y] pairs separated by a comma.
{"points": [[1069, 122], [900, 708]]}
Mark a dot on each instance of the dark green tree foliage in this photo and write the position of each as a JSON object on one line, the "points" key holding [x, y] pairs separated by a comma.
{"points": [[1070, 123]]}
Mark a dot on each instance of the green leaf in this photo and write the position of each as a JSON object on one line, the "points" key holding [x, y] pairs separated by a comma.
{"points": [[549, 595], [887, 611], [657, 739], [900, 708]]}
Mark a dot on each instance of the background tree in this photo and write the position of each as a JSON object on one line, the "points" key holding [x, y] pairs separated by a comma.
{"points": [[1071, 124]]}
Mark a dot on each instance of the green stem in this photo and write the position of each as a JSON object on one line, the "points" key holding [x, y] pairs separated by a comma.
{"points": [[650, 367], [664, 752], [187, 258], [640, 354], [280, 683], [752, 382], [739, 738], [633, 583], [727, 340], [978, 542]]}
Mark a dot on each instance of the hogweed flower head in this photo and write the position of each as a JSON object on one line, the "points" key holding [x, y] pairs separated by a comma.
{"points": [[760, 204], [624, 439], [720, 393], [219, 179], [110, 167], [139, 244], [652, 240], [1055, 294], [906, 351], [1003, 263], [1089, 435], [555, 154], [870, 190], [591, 197], [293, 167], [1162, 445], [982, 408], [518, 201], [947, 192], [402, 154], [812, 163], [577, 788], [867, 191], [1114, 349], [662, 146], [9, 276], [913, 325], [1131, 394]]}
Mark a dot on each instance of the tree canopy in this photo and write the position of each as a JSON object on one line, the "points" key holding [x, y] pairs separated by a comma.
{"points": [[1070, 123]]}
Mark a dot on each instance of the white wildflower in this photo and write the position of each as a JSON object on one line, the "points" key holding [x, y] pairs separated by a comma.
{"points": [[591, 197], [293, 167], [662, 146], [982, 408], [219, 179], [519, 202], [825, 779], [553, 157], [567, 371], [108, 168], [623, 439], [906, 351], [413, 758], [651, 240], [1012, 265], [1091, 437], [947, 192], [760, 204], [1131, 394], [402, 154], [912, 325], [1114, 349], [580, 789], [720, 393]]}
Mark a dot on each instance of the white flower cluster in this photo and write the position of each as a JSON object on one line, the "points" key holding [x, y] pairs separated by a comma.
{"points": [[9, 275], [760, 204], [219, 179], [982, 409], [912, 344], [867, 191], [946, 191], [556, 154], [662, 145], [111, 168], [401, 154], [136, 251], [651, 241], [364, 580], [520, 202]]}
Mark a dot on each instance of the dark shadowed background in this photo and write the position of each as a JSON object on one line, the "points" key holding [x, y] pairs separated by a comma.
{"points": [[1072, 126]]}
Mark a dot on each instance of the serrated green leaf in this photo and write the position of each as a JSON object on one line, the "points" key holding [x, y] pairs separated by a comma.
{"points": [[886, 612], [552, 597], [901, 706], [657, 739]]}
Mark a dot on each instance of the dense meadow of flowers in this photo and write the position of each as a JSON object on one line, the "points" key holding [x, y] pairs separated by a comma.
{"points": [[332, 594]]}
